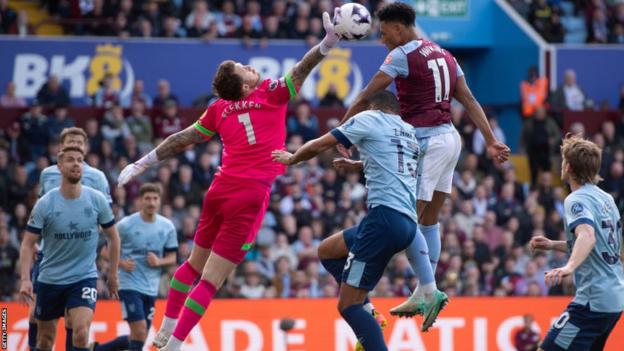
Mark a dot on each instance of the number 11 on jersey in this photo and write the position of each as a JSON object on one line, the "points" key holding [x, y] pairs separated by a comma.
{"points": [[246, 121]]}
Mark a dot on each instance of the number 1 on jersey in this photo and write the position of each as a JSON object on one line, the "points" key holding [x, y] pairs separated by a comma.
{"points": [[433, 66], [246, 121]]}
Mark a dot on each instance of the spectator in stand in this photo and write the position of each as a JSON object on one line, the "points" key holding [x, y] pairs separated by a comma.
{"points": [[115, 127], [540, 138], [598, 32], [253, 12], [9, 256], [200, 18], [138, 94], [140, 126], [527, 339], [272, 29], [164, 94], [171, 28], [8, 17], [107, 95], [539, 15], [303, 123], [58, 121], [151, 12], [94, 135], [18, 145], [9, 99], [556, 31], [568, 96], [228, 21], [301, 28], [247, 30], [185, 186], [18, 189], [120, 28], [331, 98], [169, 123], [52, 93], [34, 127], [617, 35], [533, 92]]}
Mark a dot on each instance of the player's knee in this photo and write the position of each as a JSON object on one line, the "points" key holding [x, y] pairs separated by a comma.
{"points": [[81, 336], [45, 340], [323, 250], [138, 331]]}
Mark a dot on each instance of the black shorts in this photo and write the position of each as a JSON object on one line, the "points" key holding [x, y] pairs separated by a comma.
{"points": [[136, 306], [579, 329], [53, 299], [380, 235]]}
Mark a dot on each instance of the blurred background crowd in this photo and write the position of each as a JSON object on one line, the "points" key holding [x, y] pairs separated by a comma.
{"points": [[558, 21], [486, 224]]}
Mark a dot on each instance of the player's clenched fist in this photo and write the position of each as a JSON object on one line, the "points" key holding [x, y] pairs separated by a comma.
{"points": [[540, 243], [282, 157]]}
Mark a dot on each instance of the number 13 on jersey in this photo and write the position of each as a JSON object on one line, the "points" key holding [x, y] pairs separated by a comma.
{"points": [[246, 121]]}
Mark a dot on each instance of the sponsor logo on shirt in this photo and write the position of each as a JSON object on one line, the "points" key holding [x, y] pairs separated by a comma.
{"points": [[388, 59], [577, 209]]}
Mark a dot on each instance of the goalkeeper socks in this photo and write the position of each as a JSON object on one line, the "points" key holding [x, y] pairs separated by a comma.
{"points": [[32, 336], [181, 284], [194, 308], [434, 243], [365, 327], [69, 334], [117, 344], [136, 345]]}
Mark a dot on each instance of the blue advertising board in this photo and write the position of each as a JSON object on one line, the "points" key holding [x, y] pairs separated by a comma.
{"points": [[187, 65], [599, 70]]}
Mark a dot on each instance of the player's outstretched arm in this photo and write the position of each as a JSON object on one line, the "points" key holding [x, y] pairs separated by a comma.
{"points": [[114, 246], [542, 243], [496, 149], [302, 69], [27, 251], [584, 244], [310, 149], [380, 81], [173, 145]]}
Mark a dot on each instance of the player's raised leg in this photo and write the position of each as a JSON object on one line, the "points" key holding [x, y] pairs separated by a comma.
{"points": [[333, 252], [181, 284], [216, 270]]}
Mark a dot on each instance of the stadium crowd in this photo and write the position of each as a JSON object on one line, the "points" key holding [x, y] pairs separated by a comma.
{"points": [[256, 19], [486, 223], [596, 21]]}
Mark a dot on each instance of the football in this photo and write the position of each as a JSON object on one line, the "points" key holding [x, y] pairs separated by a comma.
{"points": [[352, 21]]}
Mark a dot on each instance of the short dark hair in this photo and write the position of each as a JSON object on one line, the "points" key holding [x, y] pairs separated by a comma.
{"points": [[384, 100], [397, 12], [73, 131], [226, 83], [150, 188], [70, 149]]}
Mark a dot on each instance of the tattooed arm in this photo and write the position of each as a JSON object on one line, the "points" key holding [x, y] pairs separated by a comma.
{"points": [[312, 58], [178, 142], [173, 145]]}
